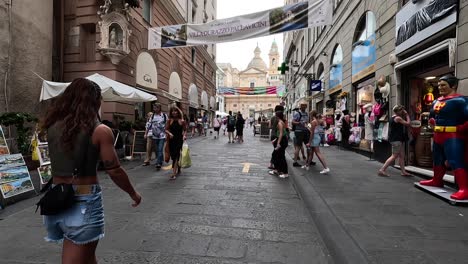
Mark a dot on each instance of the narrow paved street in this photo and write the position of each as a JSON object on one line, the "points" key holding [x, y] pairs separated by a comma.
{"points": [[227, 209], [213, 213]]}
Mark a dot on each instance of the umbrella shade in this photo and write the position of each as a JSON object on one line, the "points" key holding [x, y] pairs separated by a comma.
{"points": [[111, 90]]}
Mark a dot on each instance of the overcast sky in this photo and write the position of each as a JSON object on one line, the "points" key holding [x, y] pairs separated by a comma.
{"points": [[240, 53]]}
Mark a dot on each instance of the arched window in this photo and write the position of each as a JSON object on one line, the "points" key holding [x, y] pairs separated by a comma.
{"points": [[364, 54], [336, 68], [320, 71], [365, 29]]}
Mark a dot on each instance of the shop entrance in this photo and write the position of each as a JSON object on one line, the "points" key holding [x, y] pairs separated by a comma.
{"points": [[420, 83]]}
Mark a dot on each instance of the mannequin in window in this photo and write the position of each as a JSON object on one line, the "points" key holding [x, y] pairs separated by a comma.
{"points": [[369, 125]]}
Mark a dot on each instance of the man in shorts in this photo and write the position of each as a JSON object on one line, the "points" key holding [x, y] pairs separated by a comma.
{"points": [[301, 132]]}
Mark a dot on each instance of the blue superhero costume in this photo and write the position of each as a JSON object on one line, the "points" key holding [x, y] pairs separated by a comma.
{"points": [[449, 115]]}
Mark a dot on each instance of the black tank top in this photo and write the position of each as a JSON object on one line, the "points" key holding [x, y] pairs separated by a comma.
{"points": [[176, 129], [64, 162], [397, 131]]}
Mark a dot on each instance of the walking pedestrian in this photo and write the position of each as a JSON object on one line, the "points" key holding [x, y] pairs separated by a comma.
{"points": [[75, 133], [301, 132], [231, 126], [204, 124], [158, 124], [149, 139], [316, 130], [224, 125], [397, 138], [273, 124], [280, 164], [176, 133], [240, 122], [192, 125], [216, 125]]}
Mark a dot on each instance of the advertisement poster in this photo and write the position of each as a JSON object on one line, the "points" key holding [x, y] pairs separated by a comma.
{"points": [[43, 151], [14, 160], [305, 14], [3, 144], [45, 173]]}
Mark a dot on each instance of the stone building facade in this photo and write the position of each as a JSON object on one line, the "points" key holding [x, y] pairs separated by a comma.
{"points": [[361, 47], [26, 30]]}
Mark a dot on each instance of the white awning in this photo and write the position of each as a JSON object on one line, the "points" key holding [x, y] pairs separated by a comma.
{"points": [[111, 90], [204, 100]]}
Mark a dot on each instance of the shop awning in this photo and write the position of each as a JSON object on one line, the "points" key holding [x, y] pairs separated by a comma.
{"points": [[111, 90]]}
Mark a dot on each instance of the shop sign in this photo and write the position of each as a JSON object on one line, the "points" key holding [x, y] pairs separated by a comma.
{"points": [[336, 76], [175, 86], [315, 86], [305, 14], [146, 73], [363, 59], [419, 20]]}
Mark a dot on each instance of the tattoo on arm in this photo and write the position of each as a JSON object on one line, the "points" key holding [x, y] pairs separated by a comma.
{"points": [[111, 164]]}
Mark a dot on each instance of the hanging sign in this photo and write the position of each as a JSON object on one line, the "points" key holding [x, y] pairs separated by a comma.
{"points": [[315, 86], [312, 13], [270, 90]]}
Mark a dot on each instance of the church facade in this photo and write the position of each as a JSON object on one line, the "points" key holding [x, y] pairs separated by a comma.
{"points": [[257, 74]]}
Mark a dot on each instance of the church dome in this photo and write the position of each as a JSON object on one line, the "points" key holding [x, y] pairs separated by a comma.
{"points": [[257, 61]]}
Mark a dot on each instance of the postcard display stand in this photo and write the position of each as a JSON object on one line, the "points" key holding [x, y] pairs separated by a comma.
{"points": [[42, 150], [14, 174]]}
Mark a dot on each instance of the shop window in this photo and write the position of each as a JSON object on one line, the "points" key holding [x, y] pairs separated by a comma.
{"points": [[336, 68]]}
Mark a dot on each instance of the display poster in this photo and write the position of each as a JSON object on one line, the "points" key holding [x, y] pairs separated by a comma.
{"points": [[43, 151], [305, 14], [363, 59], [3, 143], [14, 181], [45, 173], [13, 160]]}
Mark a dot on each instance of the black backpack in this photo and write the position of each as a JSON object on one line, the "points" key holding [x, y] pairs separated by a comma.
{"points": [[300, 117]]}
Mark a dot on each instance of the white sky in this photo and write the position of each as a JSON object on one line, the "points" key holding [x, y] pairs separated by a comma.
{"points": [[240, 53]]}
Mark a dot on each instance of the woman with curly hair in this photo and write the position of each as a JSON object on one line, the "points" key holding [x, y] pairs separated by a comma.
{"points": [[176, 130], [75, 135]]}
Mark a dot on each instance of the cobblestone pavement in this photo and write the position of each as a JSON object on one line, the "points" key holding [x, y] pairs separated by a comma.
{"points": [[213, 213]]}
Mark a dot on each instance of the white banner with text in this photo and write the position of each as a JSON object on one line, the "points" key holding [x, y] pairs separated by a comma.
{"points": [[312, 13]]}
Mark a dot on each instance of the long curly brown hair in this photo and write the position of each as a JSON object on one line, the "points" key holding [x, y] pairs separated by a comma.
{"points": [[77, 109]]}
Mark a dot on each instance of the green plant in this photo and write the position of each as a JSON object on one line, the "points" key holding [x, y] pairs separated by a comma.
{"points": [[19, 120]]}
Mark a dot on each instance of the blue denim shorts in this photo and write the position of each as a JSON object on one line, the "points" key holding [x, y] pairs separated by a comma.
{"points": [[82, 223]]}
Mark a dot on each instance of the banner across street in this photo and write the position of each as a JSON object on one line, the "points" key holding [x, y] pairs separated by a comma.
{"points": [[296, 16]]}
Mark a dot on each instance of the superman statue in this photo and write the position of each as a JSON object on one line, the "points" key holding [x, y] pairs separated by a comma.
{"points": [[449, 116]]}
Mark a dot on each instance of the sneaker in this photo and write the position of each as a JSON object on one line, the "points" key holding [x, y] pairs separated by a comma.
{"points": [[158, 166], [305, 167], [272, 172], [295, 164], [284, 176], [324, 171], [326, 145]]}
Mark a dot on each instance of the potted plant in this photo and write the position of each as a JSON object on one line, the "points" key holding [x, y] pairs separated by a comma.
{"points": [[23, 134]]}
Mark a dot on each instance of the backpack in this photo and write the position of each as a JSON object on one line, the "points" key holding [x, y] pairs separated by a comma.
{"points": [[300, 117], [155, 129], [232, 121]]}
